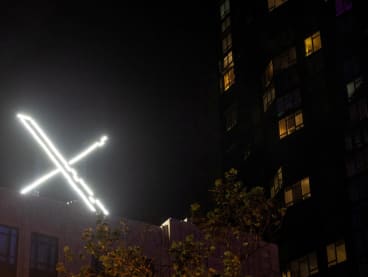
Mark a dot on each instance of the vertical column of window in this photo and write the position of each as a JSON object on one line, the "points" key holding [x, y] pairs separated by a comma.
{"points": [[227, 71]]}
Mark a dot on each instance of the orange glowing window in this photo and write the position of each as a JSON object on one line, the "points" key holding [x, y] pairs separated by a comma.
{"points": [[227, 43], [229, 79], [290, 124], [228, 60], [336, 253], [297, 192], [312, 44]]}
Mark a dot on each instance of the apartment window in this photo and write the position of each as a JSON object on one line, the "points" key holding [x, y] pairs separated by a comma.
{"points": [[358, 110], [273, 4], [44, 255], [268, 97], [357, 162], [277, 182], [8, 245], [231, 119], [356, 139], [290, 124], [303, 267], [343, 6], [285, 59], [225, 8], [228, 60], [268, 75], [229, 78], [227, 43], [312, 44], [297, 192], [288, 102], [336, 253], [352, 86], [225, 24]]}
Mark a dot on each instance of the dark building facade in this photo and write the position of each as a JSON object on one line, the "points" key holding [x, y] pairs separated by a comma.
{"points": [[294, 119]]}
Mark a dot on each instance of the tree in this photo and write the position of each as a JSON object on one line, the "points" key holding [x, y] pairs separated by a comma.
{"points": [[111, 255], [232, 229]]}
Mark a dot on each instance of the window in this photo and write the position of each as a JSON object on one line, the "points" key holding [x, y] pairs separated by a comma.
{"points": [[273, 4], [358, 110], [44, 254], [357, 162], [356, 139], [225, 24], [268, 75], [277, 182], [303, 267], [343, 6], [229, 79], [227, 43], [297, 192], [231, 119], [224, 9], [352, 86], [8, 245], [336, 253], [288, 102], [268, 97], [290, 124], [312, 44], [228, 60], [285, 59]]}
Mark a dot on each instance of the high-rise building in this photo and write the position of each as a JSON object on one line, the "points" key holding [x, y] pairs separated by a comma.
{"points": [[294, 119]]}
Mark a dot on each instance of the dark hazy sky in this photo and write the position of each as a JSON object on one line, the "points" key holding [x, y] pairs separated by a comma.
{"points": [[145, 74]]}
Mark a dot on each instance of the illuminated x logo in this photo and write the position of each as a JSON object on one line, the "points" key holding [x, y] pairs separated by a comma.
{"points": [[63, 166]]}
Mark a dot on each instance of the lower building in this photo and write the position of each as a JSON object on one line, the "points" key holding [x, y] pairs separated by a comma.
{"points": [[34, 231]]}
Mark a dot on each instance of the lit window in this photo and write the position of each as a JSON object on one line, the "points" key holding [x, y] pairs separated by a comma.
{"points": [[227, 43], [229, 79], [290, 124], [224, 9], [231, 119], [297, 192], [313, 43], [268, 75], [289, 101], [225, 24], [268, 97], [8, 245], [44, 255], [277, 182], [303, 267], [352, 86], [273, 4], [343, 6], [228, 60], [285, 59], [336, 253]]}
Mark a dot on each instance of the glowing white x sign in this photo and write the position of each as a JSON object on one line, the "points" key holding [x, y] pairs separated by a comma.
{"points": [[69, 173]]}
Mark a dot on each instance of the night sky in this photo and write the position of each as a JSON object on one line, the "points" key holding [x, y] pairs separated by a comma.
{"points": [[143, 74]]}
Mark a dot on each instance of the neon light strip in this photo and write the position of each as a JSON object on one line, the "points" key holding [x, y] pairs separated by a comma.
{"points": [[59, 161], [74, 160]]}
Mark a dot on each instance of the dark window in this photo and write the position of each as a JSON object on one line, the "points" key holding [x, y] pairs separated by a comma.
{"points": [[343, 6], [8, 251], [288, 102], [358, 110], [44, 255]]}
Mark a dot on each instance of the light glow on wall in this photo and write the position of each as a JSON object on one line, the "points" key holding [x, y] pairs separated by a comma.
{"points": [[69, 173]]}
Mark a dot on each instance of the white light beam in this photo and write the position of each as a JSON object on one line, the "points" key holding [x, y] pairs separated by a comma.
{"points": [[74, 160]]}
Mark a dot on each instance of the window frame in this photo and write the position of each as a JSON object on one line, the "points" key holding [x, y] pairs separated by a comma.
{"points": [[335, 259], [314, 48], [10, 258], [290, 124], [36, 242]]}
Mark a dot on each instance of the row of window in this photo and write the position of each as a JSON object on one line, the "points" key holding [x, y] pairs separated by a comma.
{"points": [[44, 251], [342, 6], [290, 124], [308, 265], [292, 194]]}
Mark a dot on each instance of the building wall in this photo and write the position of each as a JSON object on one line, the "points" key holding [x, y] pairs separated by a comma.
{"points": [[33, 214]]}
